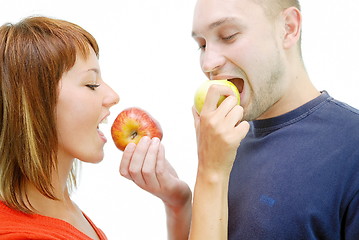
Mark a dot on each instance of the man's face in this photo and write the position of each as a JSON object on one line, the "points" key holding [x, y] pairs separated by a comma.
{"points": [[239, 42]]}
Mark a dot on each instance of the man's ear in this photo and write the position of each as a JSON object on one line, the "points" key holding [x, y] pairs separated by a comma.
{"points": [[292, 19]]}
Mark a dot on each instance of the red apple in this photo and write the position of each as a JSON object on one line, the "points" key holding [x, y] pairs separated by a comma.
{"points": [[131, 125]]}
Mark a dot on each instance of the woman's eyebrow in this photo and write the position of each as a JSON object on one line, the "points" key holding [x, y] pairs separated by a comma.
{"points": [[96, 70]]}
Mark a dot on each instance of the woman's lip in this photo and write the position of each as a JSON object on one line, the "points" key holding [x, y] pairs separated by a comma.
{"points": [[102, 136]]}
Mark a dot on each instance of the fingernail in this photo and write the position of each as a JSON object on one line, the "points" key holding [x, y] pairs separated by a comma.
{"points": [[145, 139], [130, 146]]}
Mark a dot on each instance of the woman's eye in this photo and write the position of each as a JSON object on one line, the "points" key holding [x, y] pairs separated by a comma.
{"points": [[92, 86], [202, 47]]}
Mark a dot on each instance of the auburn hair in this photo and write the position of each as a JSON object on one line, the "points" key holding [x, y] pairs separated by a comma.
{"points": [[34, 54]]}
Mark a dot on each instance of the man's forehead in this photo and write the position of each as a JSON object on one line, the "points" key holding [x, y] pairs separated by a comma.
{"points": [[210, 14], [218, 22]]}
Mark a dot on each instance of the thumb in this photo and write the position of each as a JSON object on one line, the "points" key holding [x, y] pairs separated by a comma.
{"points": [[196, 120], [195, 117]]}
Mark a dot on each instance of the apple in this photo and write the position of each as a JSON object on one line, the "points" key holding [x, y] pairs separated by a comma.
{"points": [[201, 92], [131, 125]]}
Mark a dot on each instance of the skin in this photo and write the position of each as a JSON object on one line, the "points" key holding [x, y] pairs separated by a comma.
{"points": [[217, 147], [145, 164], [85, 106], [85, 100], [238, 40], [80, 109], [260, 55]]}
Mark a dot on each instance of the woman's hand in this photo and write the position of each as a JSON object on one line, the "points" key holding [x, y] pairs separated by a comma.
{"points": [[145, 164]]}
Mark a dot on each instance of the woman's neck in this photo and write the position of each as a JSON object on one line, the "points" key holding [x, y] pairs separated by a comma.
{"points": [[44, 205]]}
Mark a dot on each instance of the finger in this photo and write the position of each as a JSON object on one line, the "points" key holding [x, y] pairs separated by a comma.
{"points": [[138, 158], [161, 173], [126, 159], [195, 117], [149, 166], [242, 129], [166, 174], [215, 91], [227, 106], [234, 116]]}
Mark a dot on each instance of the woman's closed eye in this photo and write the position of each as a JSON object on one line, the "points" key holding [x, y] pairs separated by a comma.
{"points": [[92, 86]]}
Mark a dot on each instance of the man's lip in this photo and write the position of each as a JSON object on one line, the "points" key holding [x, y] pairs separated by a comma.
{"points": [[221, 77], [238, 82]]}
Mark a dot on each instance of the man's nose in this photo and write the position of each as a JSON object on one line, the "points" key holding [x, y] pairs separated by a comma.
{"points": [[211, 60]]}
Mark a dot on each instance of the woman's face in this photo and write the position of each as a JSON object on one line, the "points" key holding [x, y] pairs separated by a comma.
{"points": [[83, 103]]}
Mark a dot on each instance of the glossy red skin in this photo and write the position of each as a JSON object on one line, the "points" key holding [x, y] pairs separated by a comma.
{"points": [[131, 125]]}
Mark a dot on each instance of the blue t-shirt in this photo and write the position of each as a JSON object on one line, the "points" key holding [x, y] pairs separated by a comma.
{"points": [[296, 176]]}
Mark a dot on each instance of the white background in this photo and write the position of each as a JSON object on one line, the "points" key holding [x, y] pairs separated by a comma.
{"points": [[148, 56]]}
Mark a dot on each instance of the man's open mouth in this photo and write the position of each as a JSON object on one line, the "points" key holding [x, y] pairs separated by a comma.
{"points": [[238, 82]]}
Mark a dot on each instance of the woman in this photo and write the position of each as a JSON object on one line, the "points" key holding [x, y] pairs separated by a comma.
{"points": [[52, 101]]}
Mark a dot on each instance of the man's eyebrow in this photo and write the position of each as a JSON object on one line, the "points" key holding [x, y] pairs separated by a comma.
{"points": [[221, 21], [218, 23]]}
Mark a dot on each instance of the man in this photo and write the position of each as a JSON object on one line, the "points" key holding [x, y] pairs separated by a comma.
{"points": [[296, 173]]}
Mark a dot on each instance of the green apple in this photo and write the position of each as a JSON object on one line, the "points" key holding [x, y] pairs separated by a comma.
{"points": [[201, 92]]}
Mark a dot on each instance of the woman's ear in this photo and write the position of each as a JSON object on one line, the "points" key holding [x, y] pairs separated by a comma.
{"points": [[292, 20]]}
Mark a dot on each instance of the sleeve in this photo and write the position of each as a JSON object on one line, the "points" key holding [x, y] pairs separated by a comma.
{"points": [[351, 219]]}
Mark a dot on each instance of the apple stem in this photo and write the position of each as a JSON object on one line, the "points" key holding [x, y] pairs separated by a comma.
{"points": [[133, 135]]}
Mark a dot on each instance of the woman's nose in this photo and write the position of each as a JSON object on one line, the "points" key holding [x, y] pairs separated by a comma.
{"points": [[111, 97]]}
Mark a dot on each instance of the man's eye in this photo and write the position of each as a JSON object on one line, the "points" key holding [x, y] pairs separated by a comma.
{"points": [[92, 86], [230, 37]]}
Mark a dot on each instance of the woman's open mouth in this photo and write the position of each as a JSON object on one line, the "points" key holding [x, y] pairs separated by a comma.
{"points": [[101, 134]]}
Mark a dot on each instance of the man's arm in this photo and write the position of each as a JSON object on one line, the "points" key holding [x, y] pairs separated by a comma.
{"points": [[219, 133]]}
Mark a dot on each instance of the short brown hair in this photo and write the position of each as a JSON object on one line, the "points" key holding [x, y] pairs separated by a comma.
{"points": [[274, 7], [34, 54]]}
